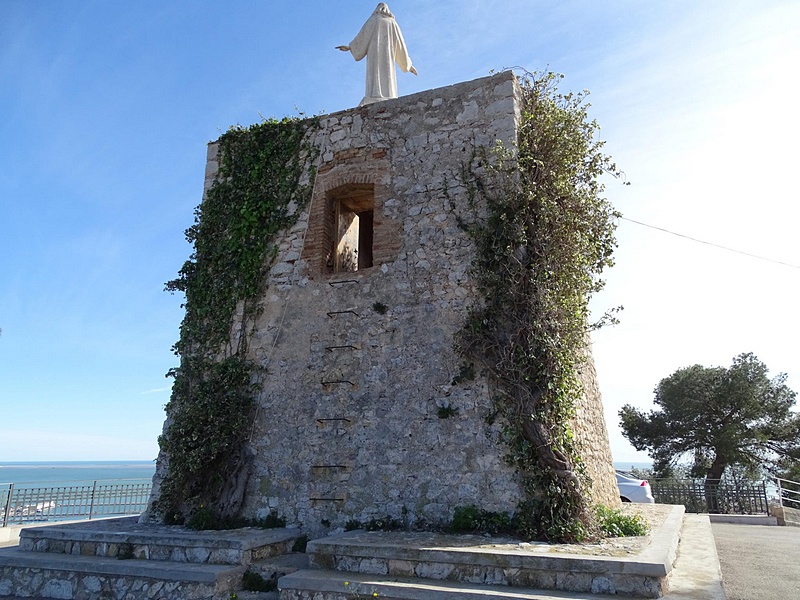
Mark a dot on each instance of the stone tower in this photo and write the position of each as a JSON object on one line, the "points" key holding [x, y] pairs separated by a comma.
{"points": [[366, 411]]}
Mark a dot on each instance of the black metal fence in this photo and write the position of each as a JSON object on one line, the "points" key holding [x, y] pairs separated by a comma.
{"points": [[714, 496], [22, 504]]}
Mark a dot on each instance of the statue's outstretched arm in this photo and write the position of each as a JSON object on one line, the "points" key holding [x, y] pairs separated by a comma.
{"points": [[343, 48]]}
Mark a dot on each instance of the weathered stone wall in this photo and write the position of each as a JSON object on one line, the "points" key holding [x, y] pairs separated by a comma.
{"points": [[592, 435], [360, 416], [348, 425]]}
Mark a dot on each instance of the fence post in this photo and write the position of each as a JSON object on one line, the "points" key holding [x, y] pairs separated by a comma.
{"points": [[91, 502], [7, 512], [780, 492]]}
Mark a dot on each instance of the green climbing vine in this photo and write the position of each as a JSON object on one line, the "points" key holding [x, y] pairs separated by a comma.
{"points": [[258, 192], [543, 235]]}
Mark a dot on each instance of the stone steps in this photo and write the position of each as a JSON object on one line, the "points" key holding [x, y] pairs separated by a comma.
{"points": [[475, 559], [121, 559], [337, 585], [273, 568], [125, 537], [63, 576], [427, 566], [358, 564]]}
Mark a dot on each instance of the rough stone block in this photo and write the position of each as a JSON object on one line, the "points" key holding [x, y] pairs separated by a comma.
{"points": [[60, 589], [432, 570]]}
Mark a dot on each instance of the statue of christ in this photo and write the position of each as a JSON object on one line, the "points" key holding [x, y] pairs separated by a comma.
{"points": [[382, 43]]}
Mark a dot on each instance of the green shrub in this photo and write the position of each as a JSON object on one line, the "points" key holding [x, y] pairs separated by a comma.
{"points": [[352, 525], [614, 523], [445, 412], [300, 544], [202, 519], [471, 519], [205, 519], [253, 582]]}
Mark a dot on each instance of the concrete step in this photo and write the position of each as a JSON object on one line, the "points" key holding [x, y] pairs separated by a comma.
{"points": [[638, 568], [66, 577], [745, 519], [273, 568], [336, 585], [114, 538]]}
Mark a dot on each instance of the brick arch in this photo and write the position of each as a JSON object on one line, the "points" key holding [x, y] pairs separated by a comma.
{"points": [[341, 180], [359, 174]]}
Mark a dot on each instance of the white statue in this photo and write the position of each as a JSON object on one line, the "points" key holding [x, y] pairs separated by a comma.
{"points": [[382, 43]]}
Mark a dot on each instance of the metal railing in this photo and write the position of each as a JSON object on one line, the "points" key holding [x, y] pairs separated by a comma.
{"points": [[22, 504], [712, 496], [788, 492]]}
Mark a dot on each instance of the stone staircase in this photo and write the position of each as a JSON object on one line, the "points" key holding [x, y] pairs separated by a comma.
{"points": [[120, 559], [426, 566]]}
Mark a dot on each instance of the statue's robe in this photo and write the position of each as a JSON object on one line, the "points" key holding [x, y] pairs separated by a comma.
{"points": [[381, 41]]}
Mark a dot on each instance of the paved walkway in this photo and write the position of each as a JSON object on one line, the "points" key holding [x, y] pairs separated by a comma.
{"points": [[758, 562]]}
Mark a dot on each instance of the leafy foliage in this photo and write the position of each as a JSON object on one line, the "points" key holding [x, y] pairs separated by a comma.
{"points": [[255, 582], [300, 544], [471, 519], [544, 239], [380, 308], [445, 412], [789, 470], [257, 193], [719, 417], [352, 525], [614, 523], [386, 523], [205, 519]]}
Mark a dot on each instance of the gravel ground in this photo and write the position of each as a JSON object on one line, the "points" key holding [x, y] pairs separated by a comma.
{"points": [[758, 562]]}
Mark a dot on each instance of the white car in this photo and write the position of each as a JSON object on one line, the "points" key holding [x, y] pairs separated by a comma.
{"points": [[634, 490]]}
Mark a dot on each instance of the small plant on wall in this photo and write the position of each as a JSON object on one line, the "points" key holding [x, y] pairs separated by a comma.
{"points": [[257, 193], [543, 235]]}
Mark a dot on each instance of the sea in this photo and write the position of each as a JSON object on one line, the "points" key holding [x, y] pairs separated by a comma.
{"points": [[33, 474], [627, 466], [40, 474]]}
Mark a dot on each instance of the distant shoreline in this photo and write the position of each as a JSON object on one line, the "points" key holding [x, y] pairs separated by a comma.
{"points": [[623, 466], [74, 472], [29, 463]]}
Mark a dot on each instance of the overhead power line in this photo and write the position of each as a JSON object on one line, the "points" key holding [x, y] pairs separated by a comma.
{"points": [[772, 260]]}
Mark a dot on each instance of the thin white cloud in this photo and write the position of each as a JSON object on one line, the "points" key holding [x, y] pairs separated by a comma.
{"points": [[155, 391]]}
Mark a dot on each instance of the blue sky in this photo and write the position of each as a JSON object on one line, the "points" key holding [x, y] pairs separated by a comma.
{"points": [[106, 108]]}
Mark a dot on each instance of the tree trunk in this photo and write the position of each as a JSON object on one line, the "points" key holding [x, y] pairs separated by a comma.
{"points": [[231, 497], [711, 486]]}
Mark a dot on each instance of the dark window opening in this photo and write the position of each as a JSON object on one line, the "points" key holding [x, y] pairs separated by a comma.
{"points": [[353, 211]]}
